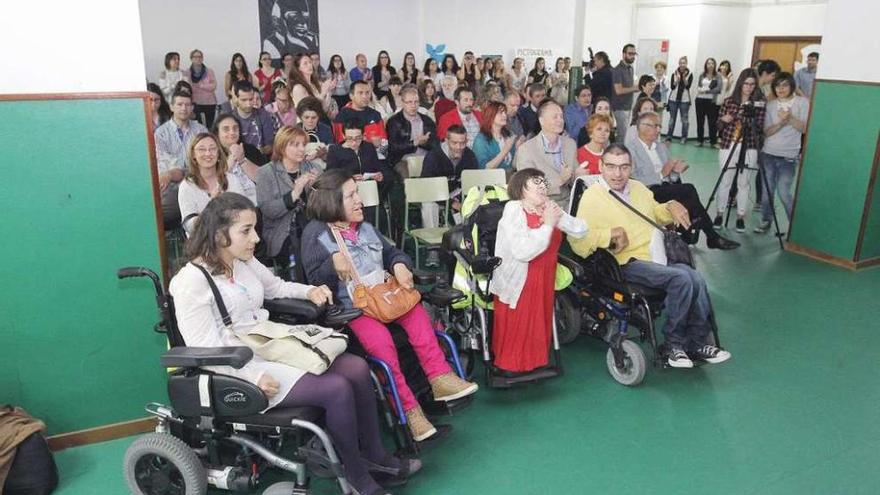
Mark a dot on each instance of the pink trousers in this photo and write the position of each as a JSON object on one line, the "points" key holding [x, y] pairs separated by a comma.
{"points": [[377, 341]]}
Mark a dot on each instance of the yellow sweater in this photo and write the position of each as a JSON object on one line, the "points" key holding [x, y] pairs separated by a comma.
{"points": [[602, 213]]}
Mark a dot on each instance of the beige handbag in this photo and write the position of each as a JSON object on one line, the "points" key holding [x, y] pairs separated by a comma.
{"points": [[310, 348]]}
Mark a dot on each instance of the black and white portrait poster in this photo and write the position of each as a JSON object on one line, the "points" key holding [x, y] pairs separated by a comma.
{"points": [[288, 26]]}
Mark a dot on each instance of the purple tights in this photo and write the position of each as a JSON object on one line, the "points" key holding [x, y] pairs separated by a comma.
{"points": [[345, 392]]}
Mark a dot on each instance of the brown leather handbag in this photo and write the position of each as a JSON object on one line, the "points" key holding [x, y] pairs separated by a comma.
{"points": [[385, 302]]}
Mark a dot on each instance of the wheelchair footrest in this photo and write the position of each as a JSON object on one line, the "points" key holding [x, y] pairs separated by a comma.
{"points": [[499, 380], [442, 408]]}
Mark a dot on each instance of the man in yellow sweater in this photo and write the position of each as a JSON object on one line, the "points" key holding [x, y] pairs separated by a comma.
{"points": [[638, 247]]}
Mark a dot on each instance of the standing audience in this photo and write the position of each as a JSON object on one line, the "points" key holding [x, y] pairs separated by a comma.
{"points": [[784, 126], [624, 88], [265, 75], [804, 76], [680, 99], [708, 89], [203, 86], [382, 73], [171, 75]]}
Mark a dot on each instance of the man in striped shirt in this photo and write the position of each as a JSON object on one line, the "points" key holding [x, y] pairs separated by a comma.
{"points": [[172, 140]]}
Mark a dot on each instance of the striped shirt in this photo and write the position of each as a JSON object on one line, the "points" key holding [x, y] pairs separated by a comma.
{"points": [[172, 142]]}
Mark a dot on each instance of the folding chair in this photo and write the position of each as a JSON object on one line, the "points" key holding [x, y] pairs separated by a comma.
{"points": [[368, 190], [425, 190]]}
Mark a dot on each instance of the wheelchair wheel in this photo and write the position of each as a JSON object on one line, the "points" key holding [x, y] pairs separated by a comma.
{"points": [[160, 464], [634, 368], [568, 317]]}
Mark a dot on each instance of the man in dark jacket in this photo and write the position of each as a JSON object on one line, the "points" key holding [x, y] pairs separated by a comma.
{"points": [[447, 160], [410, 132], [528, 113]]}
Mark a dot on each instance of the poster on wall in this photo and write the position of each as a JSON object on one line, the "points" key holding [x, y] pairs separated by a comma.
{"points": [[288, 26], [651, 52]]}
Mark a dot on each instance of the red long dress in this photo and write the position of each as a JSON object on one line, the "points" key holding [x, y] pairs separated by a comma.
{"points": [[521, 337]]}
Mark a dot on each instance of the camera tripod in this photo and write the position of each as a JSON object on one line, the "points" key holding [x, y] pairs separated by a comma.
{"points": [[748, 119]]}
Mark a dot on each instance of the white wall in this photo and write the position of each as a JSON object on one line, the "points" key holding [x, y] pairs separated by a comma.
{"points": [[850, 40], [219, 28], [610, 26], [349, 27], [55, 46], [721, 29], [498, 26]]}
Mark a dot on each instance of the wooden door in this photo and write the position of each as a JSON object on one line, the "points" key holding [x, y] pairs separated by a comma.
{"points": [[785, 50]]}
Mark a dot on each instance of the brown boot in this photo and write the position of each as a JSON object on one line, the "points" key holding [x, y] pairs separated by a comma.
{"points": [[419, 425], [449, 387]]}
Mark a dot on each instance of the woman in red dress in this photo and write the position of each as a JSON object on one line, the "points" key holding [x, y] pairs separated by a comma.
{"points": [[528, 239]]}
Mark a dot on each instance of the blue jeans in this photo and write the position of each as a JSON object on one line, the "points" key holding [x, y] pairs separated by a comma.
{"points": [[780, 174], [674, 108], [687, 300]]}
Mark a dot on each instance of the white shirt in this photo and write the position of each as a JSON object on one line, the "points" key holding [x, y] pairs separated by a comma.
{"points": [[193, 199], [652, 154], [200, 323]]}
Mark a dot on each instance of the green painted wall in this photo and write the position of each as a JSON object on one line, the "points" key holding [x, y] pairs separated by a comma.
{"points": [[838, 165], [76, 198]]}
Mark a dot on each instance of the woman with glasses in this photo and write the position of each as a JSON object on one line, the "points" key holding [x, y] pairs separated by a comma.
{"points": [[741, 121], [528, 240], [281, 106], [203, 85], [382, 73], [336, 70], [159, 109], [207, 178], [265, 75]]}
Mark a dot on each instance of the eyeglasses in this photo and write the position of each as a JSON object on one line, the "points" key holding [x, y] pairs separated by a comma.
{"points": [[539, 181], [623, 167], [648, 124], [354, 138], [204, 150]]}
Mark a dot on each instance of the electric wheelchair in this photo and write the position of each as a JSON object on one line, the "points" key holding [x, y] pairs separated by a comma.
{"points": [[603, 305], [467, 250], [213, 432]]}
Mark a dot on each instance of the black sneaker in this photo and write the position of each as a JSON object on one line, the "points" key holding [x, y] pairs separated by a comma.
{"points": [[740, 225], [762, 228], [718, 222], [677, 358], [711, 354]]}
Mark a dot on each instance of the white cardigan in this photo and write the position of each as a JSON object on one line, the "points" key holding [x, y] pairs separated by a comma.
{"points": [[201, 326], [517, 244]]}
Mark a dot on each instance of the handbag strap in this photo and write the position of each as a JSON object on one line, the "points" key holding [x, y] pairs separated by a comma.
{"points": [[227, 320], [637, 212], [344, 250]]}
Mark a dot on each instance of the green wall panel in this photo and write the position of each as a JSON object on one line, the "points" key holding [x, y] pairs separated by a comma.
{"points": [[77, 346], [835, 174]]}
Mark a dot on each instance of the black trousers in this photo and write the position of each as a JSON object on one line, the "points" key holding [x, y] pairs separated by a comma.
{"points": [[687, 195], [205, 114], [707, 110]]}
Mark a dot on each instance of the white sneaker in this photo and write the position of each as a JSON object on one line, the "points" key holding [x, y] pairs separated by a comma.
{"points": [[679, 359], [712, 354]]}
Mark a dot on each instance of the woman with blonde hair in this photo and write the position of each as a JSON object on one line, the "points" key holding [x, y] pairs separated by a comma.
{"points": [[282, 193], [207, 178]]}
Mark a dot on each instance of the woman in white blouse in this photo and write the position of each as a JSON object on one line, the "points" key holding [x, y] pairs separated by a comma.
{"points": [[223, 242], [528, 240], [207, 178], [172, 74]]}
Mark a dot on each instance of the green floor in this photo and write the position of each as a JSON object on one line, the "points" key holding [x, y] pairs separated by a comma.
{"points": [[794, 412]]}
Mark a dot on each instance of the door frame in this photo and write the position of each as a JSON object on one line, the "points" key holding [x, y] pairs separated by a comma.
{"points": [[797, 39]]}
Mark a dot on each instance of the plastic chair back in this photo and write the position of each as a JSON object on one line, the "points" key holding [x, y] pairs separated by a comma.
{"points": [[368, 190], [487, 177], [426, 190]]}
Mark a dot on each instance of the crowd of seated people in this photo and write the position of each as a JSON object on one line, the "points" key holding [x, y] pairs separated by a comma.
{"points": [[293, 133]]}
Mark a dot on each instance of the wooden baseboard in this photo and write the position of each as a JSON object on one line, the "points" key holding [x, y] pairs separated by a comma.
{"points": [[867, 263], [820, 256], [101, 433]]}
